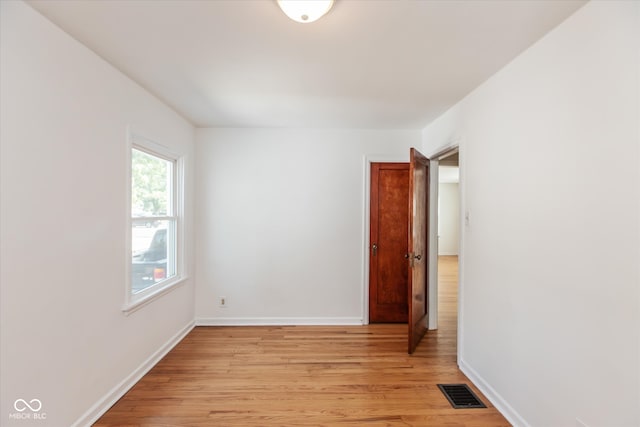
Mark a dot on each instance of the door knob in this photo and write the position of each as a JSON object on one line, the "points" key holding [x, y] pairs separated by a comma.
{"points": [[374, 248]]}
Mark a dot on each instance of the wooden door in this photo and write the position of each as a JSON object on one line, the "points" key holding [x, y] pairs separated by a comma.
{"points": [[389, 215], [418, 254]]}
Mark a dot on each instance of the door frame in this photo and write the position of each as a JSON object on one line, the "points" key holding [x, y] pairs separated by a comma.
{"points": [[452, 146], [366, 211]]}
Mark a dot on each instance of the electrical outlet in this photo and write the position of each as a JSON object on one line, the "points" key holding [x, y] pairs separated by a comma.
{"points": [[223, 302]]}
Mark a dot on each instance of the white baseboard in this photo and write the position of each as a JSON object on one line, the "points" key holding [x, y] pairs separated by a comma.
{"points": [[277, 321], [103, 405], [498, 401]]}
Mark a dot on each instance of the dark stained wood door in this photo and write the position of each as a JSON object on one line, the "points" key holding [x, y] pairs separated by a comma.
{"points": [[418, 254], [389, 215]]}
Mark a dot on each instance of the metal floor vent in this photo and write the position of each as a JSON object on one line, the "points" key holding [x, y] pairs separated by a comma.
{"points": [[460, 396]]}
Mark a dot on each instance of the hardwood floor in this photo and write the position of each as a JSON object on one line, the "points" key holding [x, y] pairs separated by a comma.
{"points": [[448, 297], [306, 376]]}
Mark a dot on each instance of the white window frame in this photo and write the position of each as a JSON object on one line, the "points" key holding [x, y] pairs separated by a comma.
{"points": [[134, 301]]}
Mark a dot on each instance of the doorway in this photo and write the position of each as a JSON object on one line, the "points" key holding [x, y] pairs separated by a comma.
{"points": [[448, 243], [449, 282]]}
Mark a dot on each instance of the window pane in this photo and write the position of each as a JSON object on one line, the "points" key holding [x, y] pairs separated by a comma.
{"points": [[153, 253], [151, 185]]}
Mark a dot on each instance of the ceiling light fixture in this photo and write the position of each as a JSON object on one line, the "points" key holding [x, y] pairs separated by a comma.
{"points": [[305, 11]]}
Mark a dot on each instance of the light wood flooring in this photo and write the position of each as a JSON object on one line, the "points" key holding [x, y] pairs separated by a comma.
{"points": [[306, 376]]}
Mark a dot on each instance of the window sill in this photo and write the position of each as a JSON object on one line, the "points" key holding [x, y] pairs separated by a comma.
{"points": [[138, 301]]}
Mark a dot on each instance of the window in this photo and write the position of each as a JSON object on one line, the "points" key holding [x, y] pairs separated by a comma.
{"points": [[155, 223]]}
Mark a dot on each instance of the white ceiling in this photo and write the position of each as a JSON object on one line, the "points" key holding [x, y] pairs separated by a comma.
{"points": [[366, 64]]}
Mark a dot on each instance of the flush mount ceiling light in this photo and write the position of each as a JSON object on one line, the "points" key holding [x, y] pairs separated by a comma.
{"points": [[305, 11]]}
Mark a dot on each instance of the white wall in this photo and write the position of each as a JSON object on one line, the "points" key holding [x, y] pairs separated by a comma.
{"points": [[448, 219], [64, 114], [280, 222], [550, 291]]}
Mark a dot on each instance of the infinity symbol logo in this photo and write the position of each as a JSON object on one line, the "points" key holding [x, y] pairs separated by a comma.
{"points": [[21, 405]]}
